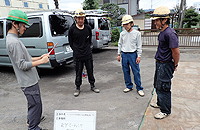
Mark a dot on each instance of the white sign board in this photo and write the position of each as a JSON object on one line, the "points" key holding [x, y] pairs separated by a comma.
{"points": [[74, 120]]}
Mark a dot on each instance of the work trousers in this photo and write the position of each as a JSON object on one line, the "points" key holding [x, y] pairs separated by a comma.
{"points": [[129, 59], [79, 64], [34, 103], [162, 83]]}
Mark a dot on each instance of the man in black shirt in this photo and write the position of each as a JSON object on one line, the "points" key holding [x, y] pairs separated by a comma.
{"points": [[80, 35]]}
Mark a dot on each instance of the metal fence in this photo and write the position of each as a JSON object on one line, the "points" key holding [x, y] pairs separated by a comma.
{"points": [[188, 37]]}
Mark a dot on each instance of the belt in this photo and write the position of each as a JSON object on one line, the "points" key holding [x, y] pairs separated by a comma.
{"points": [[163, 61], [128, 52]]}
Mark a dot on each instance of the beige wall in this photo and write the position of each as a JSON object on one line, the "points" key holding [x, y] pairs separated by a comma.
{"points": [[16, 3], [140, 23], [19, 4]]}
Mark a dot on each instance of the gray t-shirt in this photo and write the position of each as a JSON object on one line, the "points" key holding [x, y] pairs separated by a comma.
{"points": [[21, 61]]}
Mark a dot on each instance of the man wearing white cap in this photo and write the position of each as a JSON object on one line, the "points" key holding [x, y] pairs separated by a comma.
{"points": [[167, 58], [130, 49], [80, 35]]}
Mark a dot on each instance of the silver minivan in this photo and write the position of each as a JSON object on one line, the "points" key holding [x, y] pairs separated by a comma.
{"points": [[101, 30], [47, 28]]}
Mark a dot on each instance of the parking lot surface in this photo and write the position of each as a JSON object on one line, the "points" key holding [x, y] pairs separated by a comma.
{"points": [[115, 110]]}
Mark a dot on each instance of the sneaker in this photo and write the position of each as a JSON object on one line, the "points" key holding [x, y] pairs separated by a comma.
{"points": [[141, 93], [127, 90], [155, 105], [161, 115], [96, 90], [77, 92], [41, 120]]}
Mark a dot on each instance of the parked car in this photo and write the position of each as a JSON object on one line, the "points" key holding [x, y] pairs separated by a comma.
{"points": [[101, 29], [47, 28]]}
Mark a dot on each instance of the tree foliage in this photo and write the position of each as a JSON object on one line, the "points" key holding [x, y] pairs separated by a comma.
{"points": [[115, 11], [198, 17], [56, 4], [191, 18], [115, 35], [141, 11], [90, 4], [175, 11]]}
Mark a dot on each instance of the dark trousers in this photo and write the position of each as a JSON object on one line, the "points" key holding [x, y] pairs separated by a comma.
{"points": [[34, 102], [162, 83], [79, 64]]}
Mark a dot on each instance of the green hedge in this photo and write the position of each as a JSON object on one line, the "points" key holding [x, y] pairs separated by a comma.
{"points": [[115, 35]]}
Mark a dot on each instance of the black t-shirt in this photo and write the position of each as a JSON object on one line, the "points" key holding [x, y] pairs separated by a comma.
{"points": [[80, 42]]}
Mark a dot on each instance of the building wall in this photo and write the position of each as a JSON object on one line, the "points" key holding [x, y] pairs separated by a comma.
{"points": [[133, 5], [113, 1], [197, 7], [139, 22], [25, 5], [125, 6]]}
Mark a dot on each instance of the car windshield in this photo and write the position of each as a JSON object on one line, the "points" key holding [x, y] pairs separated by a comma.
{"points": [[60, 24], [103, 24]]}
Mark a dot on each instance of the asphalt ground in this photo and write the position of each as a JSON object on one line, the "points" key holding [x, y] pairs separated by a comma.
{"points": [[115, 110]]}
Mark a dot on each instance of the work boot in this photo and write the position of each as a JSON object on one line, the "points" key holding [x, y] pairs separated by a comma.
{"points": [[94, 89]]}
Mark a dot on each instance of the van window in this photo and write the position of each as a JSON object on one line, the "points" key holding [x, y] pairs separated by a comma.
{"points": [[60, 24], [1, 29], [103, 24], [91, 23], [35, 30]]}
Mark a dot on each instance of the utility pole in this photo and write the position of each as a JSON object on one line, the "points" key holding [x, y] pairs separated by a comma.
{"points": [[182, 13]]}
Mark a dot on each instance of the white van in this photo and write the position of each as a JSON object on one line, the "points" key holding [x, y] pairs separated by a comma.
{"points": [[47, 28], [101, 29]]}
